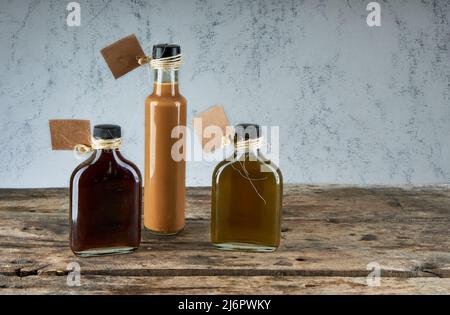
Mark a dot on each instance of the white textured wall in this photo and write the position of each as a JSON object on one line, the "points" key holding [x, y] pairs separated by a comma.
{"points": [[356, 105]]}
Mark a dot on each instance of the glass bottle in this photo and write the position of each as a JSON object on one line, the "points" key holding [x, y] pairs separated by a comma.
{"points": [[105, 199], [246, 198], [164, 175]]}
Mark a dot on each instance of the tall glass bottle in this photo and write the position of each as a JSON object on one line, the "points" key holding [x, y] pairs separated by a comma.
{"points": [[164, 179], [246, 197], [105, 199]]}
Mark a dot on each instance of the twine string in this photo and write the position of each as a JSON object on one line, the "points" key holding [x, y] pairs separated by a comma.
{"points": [[99, 144], [165, 63], [249, 145]]}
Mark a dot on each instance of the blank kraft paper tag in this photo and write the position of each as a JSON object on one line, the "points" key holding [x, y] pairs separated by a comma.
{"points": [[214, 116], [122, 56], [67, 133]]}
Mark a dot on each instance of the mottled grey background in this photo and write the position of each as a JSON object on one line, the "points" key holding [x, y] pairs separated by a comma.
{"points": [[356, 105]]}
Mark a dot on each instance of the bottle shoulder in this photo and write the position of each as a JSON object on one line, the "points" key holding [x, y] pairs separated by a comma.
{"points": [[256, 165], [166, 98], [274, 169], [221, 166], [81, 168], [131, 167], [106, 167]]}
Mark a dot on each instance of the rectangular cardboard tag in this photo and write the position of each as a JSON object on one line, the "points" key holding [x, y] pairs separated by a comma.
{"points": [[214, 116], [121, 56], [67, 133]]}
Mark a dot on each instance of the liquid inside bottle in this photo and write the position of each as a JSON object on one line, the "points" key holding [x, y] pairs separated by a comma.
{"points": [[246, 198], [105, 201], [164, 177]]}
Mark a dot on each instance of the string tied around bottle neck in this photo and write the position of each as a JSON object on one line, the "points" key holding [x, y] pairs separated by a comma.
{"points": [[249, 145], [165, 63], [99, 144]]}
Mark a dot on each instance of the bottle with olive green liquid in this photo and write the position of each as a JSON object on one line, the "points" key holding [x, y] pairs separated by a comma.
{"points": [[246, 197]]}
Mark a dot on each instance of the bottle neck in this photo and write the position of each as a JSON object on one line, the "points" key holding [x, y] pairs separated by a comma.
{"points": [[165, 82], [246, 153], [108, 154]]}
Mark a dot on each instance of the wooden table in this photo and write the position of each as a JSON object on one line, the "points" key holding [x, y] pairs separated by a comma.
{"points": [[330, 235]]}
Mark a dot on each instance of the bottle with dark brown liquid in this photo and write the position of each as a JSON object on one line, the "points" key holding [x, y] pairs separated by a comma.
{"points": [[246, 197], [105, 199]]}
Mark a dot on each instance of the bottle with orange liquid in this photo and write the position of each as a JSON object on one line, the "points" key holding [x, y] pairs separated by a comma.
{"points": [[164, 178]]}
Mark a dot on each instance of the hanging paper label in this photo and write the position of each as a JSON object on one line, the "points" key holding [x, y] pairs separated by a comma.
{"points": [[122, 56], [67, 133], [213, 117]]}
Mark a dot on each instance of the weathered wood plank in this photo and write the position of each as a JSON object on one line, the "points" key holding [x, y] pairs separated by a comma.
{"points": [[221, 285], [328, 231], [347, 204], [314, 248]]}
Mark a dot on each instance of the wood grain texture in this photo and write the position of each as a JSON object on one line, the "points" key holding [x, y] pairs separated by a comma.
{"points": [[263, 285], [330, 234]]}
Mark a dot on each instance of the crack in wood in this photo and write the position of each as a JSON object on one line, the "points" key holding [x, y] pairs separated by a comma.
{"points": [[38, 271]]}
